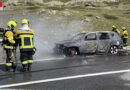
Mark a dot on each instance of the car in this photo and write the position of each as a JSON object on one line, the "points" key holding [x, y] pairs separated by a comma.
{"points": [[91, 42]]}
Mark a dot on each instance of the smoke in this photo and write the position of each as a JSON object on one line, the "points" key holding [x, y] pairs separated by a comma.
{"points": [[48, 31]]}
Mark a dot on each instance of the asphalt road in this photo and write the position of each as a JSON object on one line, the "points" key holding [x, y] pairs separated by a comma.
{"points": [[93, 72]]}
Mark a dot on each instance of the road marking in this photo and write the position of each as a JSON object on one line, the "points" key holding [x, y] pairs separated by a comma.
{"points": [[64, 78]]}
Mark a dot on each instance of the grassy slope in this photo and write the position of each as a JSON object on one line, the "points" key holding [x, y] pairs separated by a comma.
{"points": [[56, 0], [108, 17]]}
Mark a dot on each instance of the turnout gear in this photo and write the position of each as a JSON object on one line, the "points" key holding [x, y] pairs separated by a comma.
{"points": [[124, 36], [114, 28], [25, 37], [26, 59], [8, 44], [10, 60]]}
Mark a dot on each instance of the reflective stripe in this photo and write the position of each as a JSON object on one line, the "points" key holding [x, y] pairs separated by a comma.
{"points": [[118, 31], [125, 34], [25, 62], [11, 60], [9, 47], [8, 64], [12, 55], [30, 61], [11, 40], [23, 45]]}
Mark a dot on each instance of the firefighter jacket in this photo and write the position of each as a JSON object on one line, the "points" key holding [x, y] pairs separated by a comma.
{"points": [[117, 31], [124, 34], [8, 40], [25, 37]]}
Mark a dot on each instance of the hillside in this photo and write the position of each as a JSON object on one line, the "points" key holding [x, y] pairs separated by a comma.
{"points": [[63, 2], [100, 15]]}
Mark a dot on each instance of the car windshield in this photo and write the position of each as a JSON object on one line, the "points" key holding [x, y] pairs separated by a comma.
{"points": [[78, 36]]}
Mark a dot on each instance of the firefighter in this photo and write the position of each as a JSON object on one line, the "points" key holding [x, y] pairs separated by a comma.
{"points": [[8, 44], [114, 28], [124, 36], [25, 37]]}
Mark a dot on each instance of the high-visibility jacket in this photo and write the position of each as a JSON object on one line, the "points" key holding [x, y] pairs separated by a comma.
{"points": [[117, 31], [8, 40], [25, 39], [124, 34]]}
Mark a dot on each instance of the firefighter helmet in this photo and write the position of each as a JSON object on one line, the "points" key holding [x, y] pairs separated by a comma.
{"points": [[12, 24], [25, 21]]}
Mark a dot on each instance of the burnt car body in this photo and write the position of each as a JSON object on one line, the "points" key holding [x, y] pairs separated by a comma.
{"points": [[91, 42]]}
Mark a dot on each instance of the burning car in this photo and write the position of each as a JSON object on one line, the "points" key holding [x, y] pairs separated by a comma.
{"points": [[91, 42]]}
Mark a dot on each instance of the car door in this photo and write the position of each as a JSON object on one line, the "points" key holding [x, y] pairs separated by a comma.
{"points": [[89, 44], [103, 41]]}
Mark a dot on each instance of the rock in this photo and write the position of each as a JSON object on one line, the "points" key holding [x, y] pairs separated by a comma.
{"points": [[11, 3], [52, 12], [97, 17], [66, 13], [54, 3], [42, 11], [37, 1], [90, 5], [14, 4], [86, 5], [86, 20]]}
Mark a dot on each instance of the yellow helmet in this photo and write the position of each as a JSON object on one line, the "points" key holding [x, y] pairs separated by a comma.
{"points": [[25, 21], [123, 28], [113, 26], [11, 24]]}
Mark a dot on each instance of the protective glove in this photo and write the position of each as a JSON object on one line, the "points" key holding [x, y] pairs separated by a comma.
{"points": [[34, 50]]}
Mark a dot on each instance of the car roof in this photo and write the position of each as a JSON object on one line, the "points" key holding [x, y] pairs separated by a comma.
{"points": [[99, 32]]}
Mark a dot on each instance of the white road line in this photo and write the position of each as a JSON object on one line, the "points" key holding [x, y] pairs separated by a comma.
{"points": [[64, 78]]}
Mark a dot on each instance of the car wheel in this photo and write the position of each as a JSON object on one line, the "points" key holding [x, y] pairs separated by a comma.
{"points": [[113, 50], [71, 52]]}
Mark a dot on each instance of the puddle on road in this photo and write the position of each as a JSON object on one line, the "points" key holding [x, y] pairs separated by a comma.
{"points": [[126, 76]]}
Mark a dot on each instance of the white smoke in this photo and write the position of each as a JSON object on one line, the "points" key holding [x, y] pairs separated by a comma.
{"points": [[48, 30], [51, 30]]}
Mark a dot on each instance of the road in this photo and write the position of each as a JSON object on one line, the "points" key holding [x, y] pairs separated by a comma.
{"points": [[92, 72]]}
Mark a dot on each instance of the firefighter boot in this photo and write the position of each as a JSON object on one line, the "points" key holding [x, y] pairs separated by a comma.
{"points": [[29, 67], [8, 69], [14, 66], [24, 67]]}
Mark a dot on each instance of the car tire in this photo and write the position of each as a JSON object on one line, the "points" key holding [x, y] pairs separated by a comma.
{"points": [[113, 50], [70, 52]]}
